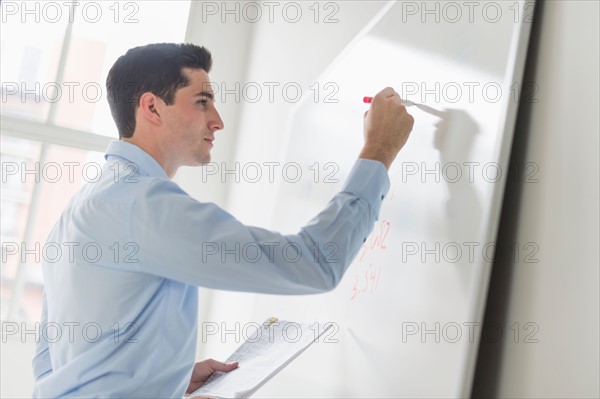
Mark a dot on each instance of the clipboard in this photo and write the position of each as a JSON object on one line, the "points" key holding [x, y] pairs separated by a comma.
{"points": [[264, 354]]}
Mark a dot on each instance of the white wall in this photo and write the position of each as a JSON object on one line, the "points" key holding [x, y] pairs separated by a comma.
{"points": [[560, 293]]}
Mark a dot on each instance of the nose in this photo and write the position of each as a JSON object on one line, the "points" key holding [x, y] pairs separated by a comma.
{"points": [[216, 123]]}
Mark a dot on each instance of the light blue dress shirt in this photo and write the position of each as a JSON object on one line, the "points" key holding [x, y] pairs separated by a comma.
{"points": [[124, 262]]}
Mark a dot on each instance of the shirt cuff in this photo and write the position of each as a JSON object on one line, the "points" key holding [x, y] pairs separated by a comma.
{"points": [[368, 180]]}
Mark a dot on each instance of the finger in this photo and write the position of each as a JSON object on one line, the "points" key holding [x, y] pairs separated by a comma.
{"points": [[192, 387], [385, 93], [230, 366], [215, 365]]}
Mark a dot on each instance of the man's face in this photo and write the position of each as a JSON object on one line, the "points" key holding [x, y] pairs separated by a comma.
{"points": [[192, 120]]}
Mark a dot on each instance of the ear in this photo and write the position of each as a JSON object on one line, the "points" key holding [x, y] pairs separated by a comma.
{"points": [[148, 108]]}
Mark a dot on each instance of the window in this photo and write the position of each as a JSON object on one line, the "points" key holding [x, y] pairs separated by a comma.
{"points": [[55, 118]]}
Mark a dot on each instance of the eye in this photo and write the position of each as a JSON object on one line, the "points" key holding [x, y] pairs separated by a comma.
{"points": [[202, 101]]}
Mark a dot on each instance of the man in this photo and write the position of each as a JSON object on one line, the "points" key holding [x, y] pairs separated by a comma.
{"points": [[128, 290]]}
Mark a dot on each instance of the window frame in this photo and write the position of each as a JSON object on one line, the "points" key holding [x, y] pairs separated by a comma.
{"points": [[46, 133]]}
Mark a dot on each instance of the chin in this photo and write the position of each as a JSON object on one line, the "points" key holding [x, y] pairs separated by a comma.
{"points": [[203, 160]]}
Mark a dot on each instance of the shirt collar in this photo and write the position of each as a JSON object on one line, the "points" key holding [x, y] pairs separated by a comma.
{"points": [[132, 153]]}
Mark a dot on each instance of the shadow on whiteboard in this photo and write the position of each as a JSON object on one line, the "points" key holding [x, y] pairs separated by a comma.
{"points": [[454, 136]]}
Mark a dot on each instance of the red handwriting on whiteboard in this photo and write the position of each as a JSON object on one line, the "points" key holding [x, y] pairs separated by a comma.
{"points": [[366, 282], [376, 241]]}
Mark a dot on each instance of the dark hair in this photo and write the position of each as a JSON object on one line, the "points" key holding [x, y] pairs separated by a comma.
{"points": [[154, 68]]}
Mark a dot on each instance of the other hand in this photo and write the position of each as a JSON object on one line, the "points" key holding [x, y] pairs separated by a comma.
{"points": [[203, 370]]}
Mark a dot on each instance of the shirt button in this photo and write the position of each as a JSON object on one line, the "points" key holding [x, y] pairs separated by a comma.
{"points": [[382, 197], [364, 240]]}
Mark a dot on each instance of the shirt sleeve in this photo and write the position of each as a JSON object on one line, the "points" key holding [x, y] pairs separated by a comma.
{"points": [[41, 361], [198, 243]]}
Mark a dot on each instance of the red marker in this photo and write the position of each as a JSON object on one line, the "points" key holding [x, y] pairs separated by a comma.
{"points": [[406, 103]]}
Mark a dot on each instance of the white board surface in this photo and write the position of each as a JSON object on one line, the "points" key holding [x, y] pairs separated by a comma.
{"points": [[408, 314]]}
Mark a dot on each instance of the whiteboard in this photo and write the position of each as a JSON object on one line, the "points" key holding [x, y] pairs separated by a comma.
{"points": [[408, 314]]}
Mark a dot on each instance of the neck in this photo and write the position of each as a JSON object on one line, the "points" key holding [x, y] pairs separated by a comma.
{"points": [[156, 151]]}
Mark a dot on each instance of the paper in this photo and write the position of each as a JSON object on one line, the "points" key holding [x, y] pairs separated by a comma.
{"points": [[275, 344]]}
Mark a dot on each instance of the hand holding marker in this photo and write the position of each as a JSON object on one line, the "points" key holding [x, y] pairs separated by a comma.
{"points": [[408, 103]]}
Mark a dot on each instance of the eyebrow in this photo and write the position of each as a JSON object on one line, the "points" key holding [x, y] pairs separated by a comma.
{"points": [[205, 94]]}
